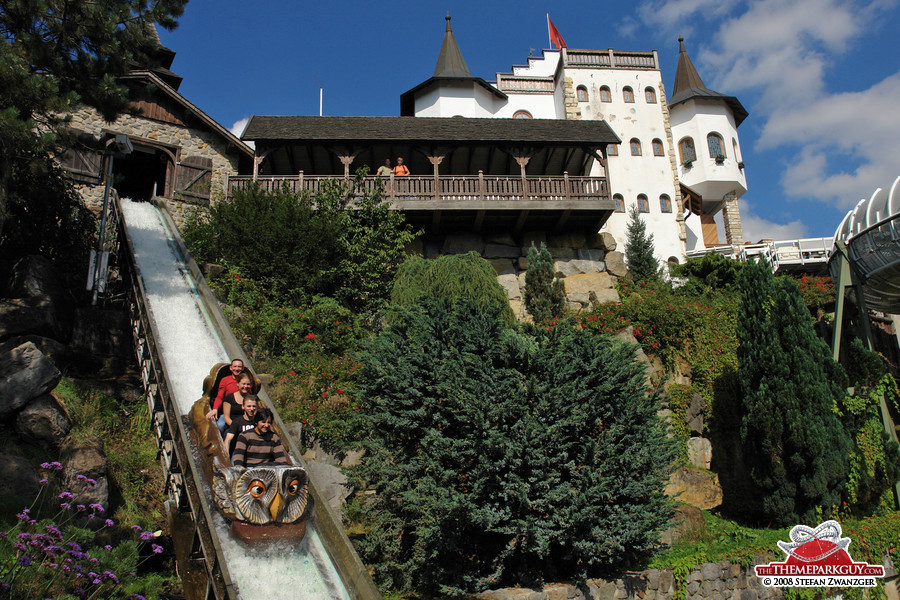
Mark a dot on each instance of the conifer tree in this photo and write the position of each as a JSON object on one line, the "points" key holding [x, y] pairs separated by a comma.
{"points": [[639, 250], [545, 296], [499, 455], [793, 443]]}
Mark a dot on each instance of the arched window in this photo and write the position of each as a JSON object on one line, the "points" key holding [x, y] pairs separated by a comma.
{"points": [[581, 91], [605, 96], [658, 148], [522, 114], [620, 202], [635, 147], [665, 204], [716, 146], [612, 150], [643, 203], [686, 151], [650, 95], [628, 94]]}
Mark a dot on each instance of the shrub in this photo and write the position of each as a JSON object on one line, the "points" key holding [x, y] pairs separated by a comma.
{"points": [[710, 272], [545, 296], [502, 457], [639, 250], [452, 277]]}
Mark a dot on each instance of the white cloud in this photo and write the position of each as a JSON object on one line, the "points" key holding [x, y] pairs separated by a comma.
{"points": [[756, 228], [238, 127]]}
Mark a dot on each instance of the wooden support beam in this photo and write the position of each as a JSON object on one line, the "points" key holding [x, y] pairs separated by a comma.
{"points": [[436, 160], [520, 222], [479, 221], [561, 221]]}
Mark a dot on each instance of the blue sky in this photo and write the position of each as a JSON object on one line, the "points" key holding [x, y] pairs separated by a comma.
{"points": [[820, 78]]}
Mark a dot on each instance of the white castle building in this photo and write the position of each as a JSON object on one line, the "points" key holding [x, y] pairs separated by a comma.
{"points": [[679, 160]]}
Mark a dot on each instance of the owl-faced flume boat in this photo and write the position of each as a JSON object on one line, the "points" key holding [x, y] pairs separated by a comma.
{"points": [[263, 503]]}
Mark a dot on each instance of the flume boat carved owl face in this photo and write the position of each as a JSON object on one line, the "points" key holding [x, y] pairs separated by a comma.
{"points": [[261, 495]]}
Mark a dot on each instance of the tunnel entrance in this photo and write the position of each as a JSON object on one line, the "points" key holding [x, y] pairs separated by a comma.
{"points": [[138, 174]]}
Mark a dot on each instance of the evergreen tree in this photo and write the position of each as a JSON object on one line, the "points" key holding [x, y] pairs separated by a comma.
{"points": [[639, 250], [793, 443], [545, 295], [503, 457]]}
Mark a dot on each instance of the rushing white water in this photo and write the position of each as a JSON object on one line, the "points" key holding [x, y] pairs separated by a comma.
{"points": [[189, 348]]}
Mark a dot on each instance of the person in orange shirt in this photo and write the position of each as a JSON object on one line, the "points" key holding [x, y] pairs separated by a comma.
{"points": [[400, 169]]}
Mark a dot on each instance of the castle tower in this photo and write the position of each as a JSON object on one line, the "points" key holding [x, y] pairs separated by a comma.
{"points": [[710, 168]]}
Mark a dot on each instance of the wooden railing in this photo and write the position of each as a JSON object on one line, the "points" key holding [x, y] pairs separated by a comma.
{"points": [[485, 188], [611, 58]]}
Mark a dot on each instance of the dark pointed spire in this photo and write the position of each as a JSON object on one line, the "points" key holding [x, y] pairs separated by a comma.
{"points": [[450, 61], [686, 75], [688, 85]]}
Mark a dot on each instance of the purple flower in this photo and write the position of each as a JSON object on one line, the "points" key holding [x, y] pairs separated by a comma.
{"points": [[20, 547], [74, 546], [91, 574], [53, 531], [32, 522], [107, 547], [44, 482], [110, 523], [147, 535], [96, 508], [135, 527], [132, 597], [96, 581], [91, 482], [66, 496], [157, 549], [56, 465], [53, 565], [94, 560], [91, 517], [80, 477], [45, 465], [109, 575], [65, 506], [24, 561], [78, 592], [79, 507], [23, 536]]}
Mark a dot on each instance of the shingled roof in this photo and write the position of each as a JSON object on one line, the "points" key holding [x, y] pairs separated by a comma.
{"points": [[688, 85], [432, 130]]}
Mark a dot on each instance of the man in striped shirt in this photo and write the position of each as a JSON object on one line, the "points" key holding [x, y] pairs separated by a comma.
{"points": [[260, 444]]}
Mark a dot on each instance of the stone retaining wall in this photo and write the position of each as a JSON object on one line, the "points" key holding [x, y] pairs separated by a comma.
{"points": [[588, 265]]}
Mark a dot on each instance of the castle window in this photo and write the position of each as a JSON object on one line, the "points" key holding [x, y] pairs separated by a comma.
{"points": [[716, 146], [628, 94], [650, 95], [612, 150], [605, 96], [522, 114], [635, 147], [643, 203], [686, 150], [620, 202], [665, 204], [658, 148], [582, 93]]}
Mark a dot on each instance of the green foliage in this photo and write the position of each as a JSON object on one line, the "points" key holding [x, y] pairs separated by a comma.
{"points": [[793, 443], [452, 277], [343, 242], [545, 295], [710, 272], [501, 456], [639, 250]]}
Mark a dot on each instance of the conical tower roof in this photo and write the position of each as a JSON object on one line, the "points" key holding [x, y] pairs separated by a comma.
{"points": [[450, 62], [688, 85]]}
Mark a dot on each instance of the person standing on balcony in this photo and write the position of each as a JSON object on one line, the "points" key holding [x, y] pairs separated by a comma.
{"points": [[400, 169], [385, 170]]}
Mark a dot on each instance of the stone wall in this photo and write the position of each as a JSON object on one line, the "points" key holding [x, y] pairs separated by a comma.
{"points": [[589, 266], [189, 141]]}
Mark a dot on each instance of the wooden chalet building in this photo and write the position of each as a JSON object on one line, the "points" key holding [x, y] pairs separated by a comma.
{"points": [[466, 175]]}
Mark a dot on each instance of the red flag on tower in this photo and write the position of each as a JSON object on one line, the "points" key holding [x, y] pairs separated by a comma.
{"points": [[555, 38]]}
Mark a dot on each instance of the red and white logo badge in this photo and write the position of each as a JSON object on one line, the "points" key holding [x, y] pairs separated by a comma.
{"points": [[818, 558]]}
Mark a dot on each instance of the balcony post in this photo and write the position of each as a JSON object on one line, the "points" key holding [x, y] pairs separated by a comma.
{"points": [[300, 181], [481, 191], [566, 185], [523, 162], [391, 187], [435, 161]]}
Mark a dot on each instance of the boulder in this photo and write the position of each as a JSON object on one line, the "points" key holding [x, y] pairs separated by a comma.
{"points": [[580, 287], [35, 315], [569, 240], [510, 283], [699, 452], [615, 263], [331, 483], [518, 308], [522, 263], [88, 459], [567, 268], [591, 254], [695, 487], [18, 477], [502, 266], [211, 270], [462, 243], [49, 347], [694, 414], [35, 276], [25, 373], [602, 241], [559, 252], [44, 419], [499, 251]]}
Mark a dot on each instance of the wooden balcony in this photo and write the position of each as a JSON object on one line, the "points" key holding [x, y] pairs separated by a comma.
{"points": [[477, 202]]}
